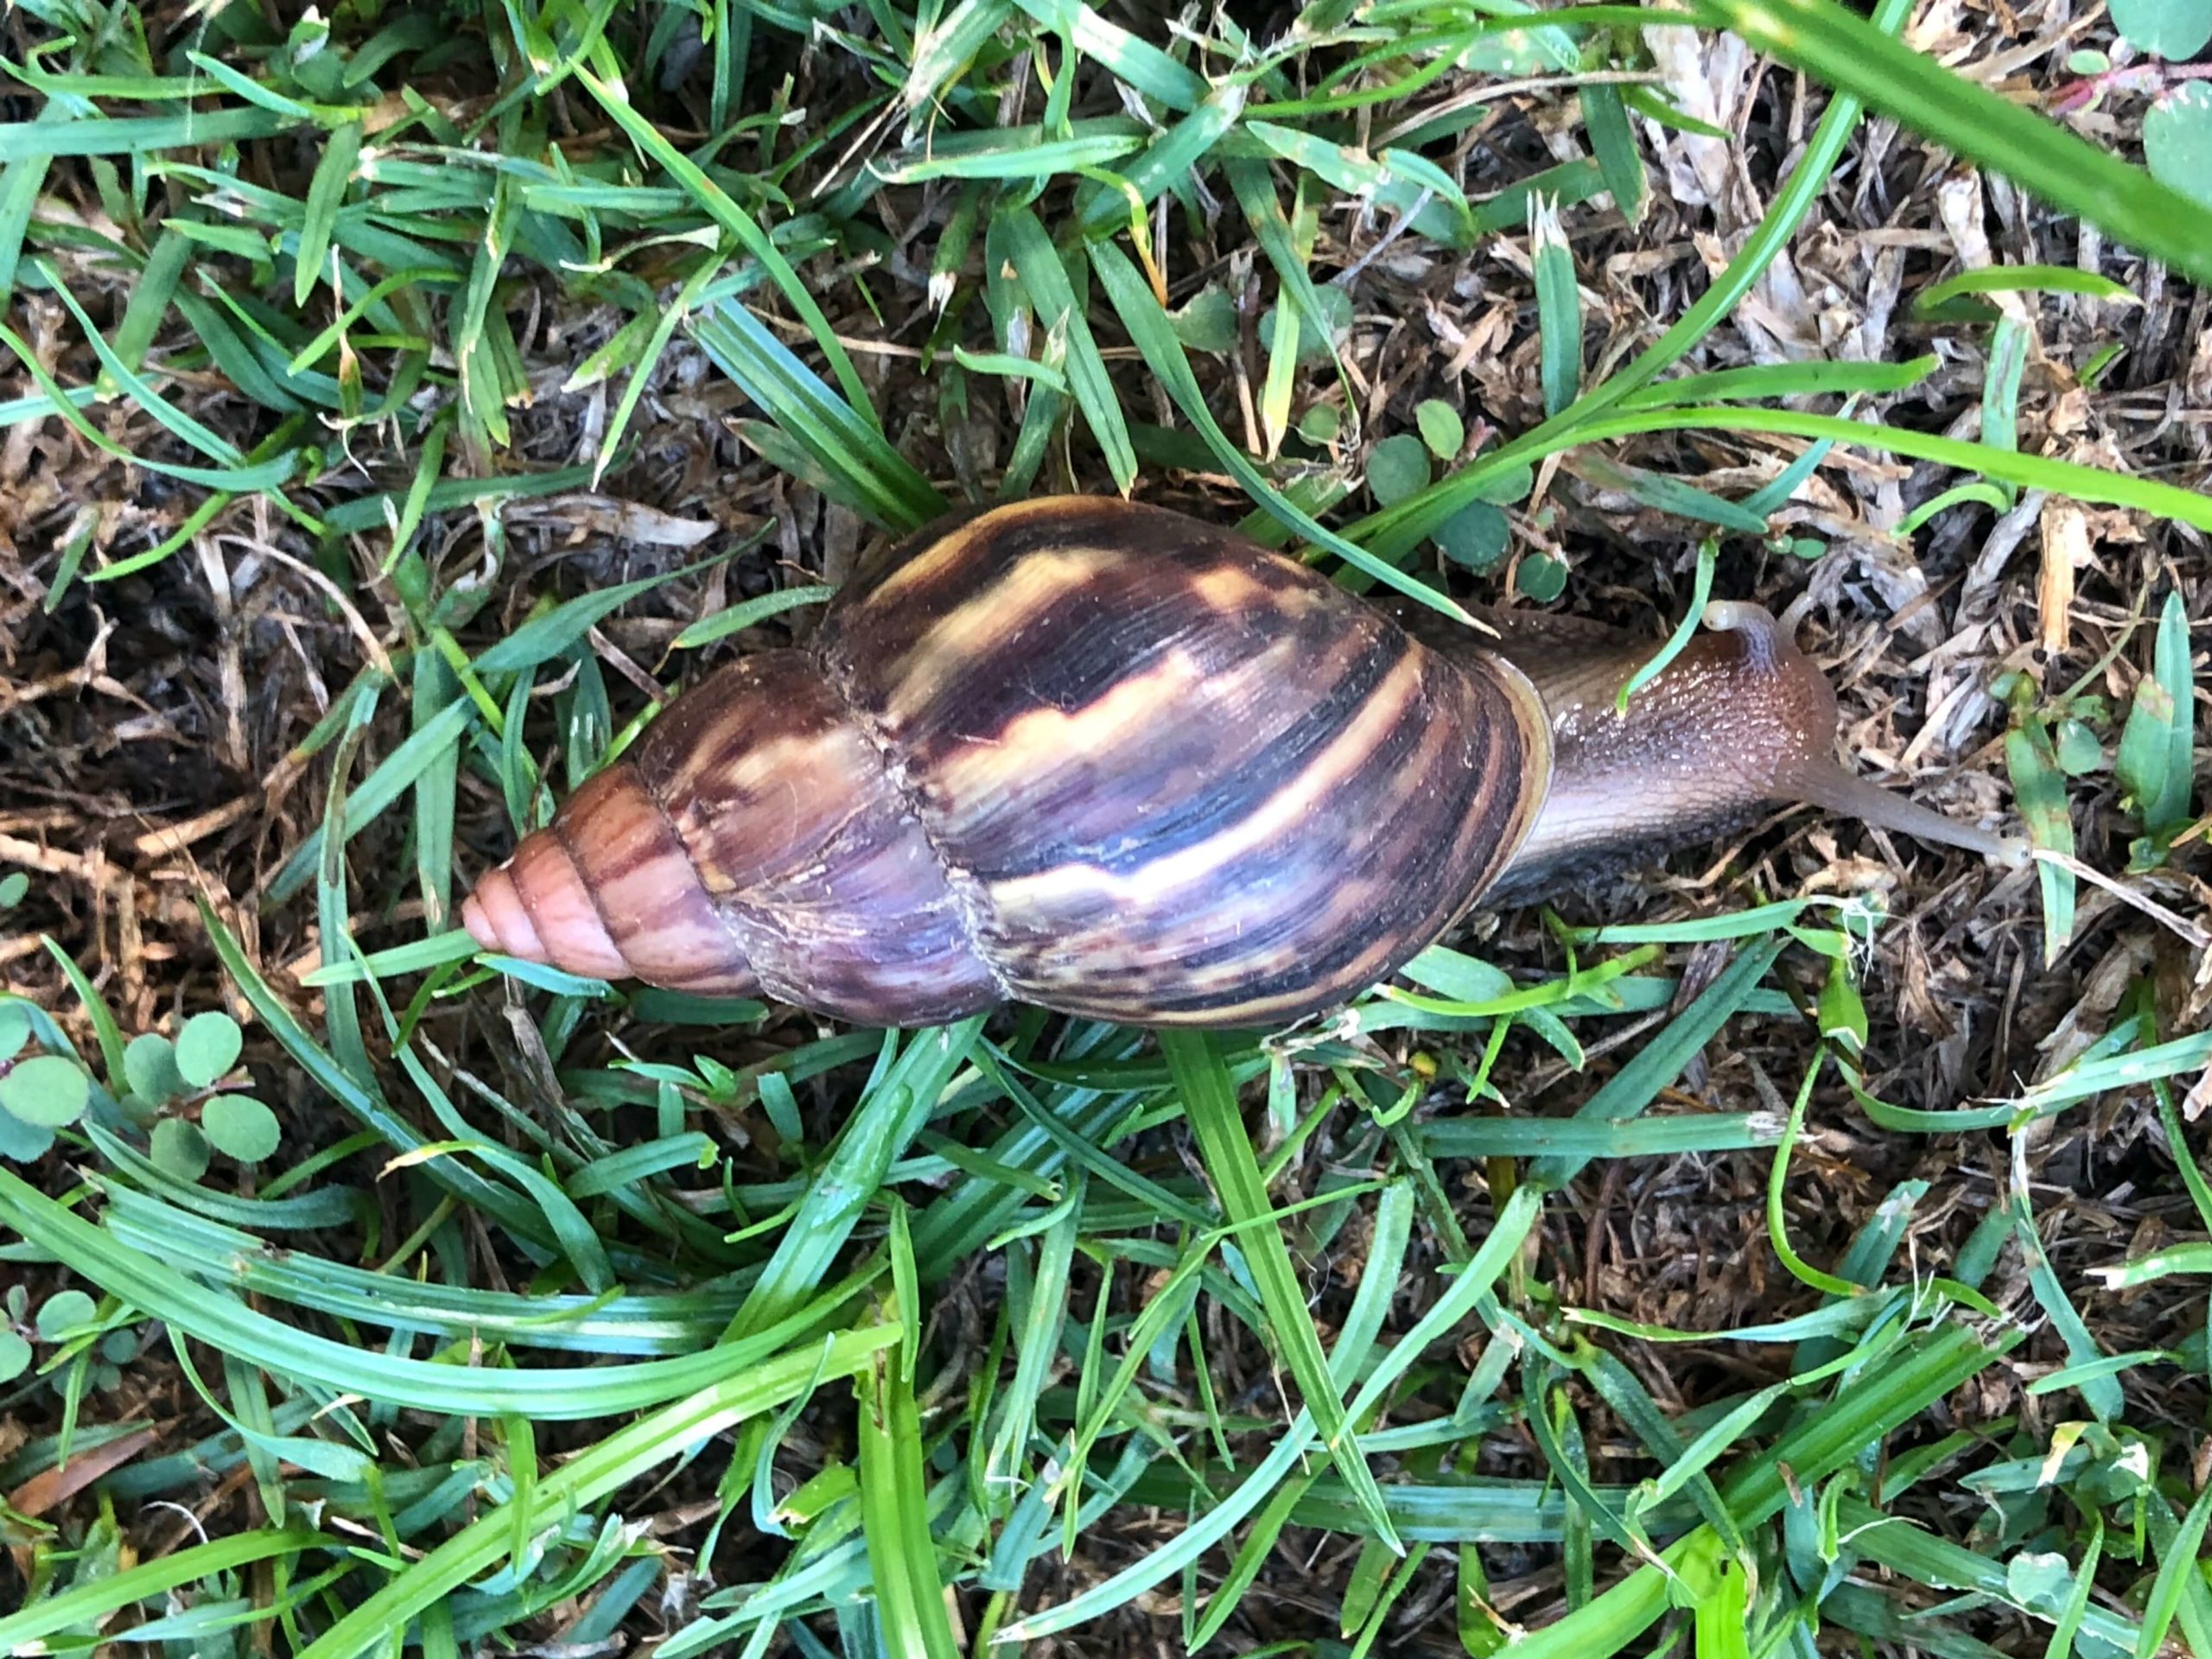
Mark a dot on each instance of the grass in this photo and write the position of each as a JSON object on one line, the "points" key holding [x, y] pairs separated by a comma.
{"points": [[574, 1315]]}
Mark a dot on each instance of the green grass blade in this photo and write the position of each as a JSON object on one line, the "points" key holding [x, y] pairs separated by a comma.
{"points": [[1154, 337], [1829, 41], [138, 135], [1701, 590], [614, 98], [247, 476], [1037, 1341], [1210, 1104], [910, 1605], [2039, 791], [1394, 1214], [2180, 1592], [326, 192], [2101, 1393], [749, 614], [1167, 161], [1612, 141], [1127, 56], [848, 446], [1660, 1061], [615, 1462], [550, 1394], [362, 1100], [840, 1190], [1558, 307], [1579, 1138], [1476, 1280], [89, 1603], [2084, 483], [1037, 263], [1758, 382], [2154, 762], [1398, 528], [391, 780], [1935, 301], [1858, 1418]]}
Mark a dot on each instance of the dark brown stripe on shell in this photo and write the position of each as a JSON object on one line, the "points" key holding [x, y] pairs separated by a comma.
{"points": [[1194, 780], [868, 932], [1340, 898], [1439, 817], [759, 768], [1178, 675], [1153, 765], [811, 856], [1102, 571], [912, 583]]}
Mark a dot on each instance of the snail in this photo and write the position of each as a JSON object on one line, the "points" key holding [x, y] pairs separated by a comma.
{"points": [[1106, 759]]}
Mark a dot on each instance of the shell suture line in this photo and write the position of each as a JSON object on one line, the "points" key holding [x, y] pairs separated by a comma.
{"points": [[969, 893]]}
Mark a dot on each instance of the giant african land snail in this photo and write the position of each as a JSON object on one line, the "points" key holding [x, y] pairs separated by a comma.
{"points": [[1107, 759]]}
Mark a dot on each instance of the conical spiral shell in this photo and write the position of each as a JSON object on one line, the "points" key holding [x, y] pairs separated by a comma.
{"points": [[1095, 757], [750, 840]]}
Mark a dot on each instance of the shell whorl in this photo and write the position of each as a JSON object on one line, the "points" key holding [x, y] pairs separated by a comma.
{"points": [[1093, 756], [749, 841]]}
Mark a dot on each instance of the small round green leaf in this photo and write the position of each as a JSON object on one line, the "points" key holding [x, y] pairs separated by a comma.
{"points": [[1441, 428], [119, 1347], [2177, 140], [51, 1090], [1475, 536], [150, 1067], [179, 1149], [1208, 323], [1321, 424], [13, 886], [1509, 487], [2087, 61], [1541, 577], [2079, 752], [15, 1356], [15, 1029], [240, 1128], [2175, 29], [64, 1312], [22, 1142], [1397, 468], [208, 1047]]}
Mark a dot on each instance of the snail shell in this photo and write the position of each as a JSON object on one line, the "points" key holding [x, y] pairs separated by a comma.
{"points": [[1106, 759]]}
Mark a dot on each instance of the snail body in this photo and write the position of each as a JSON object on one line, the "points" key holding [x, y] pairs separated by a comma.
{"points": [[1106, 759]]}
